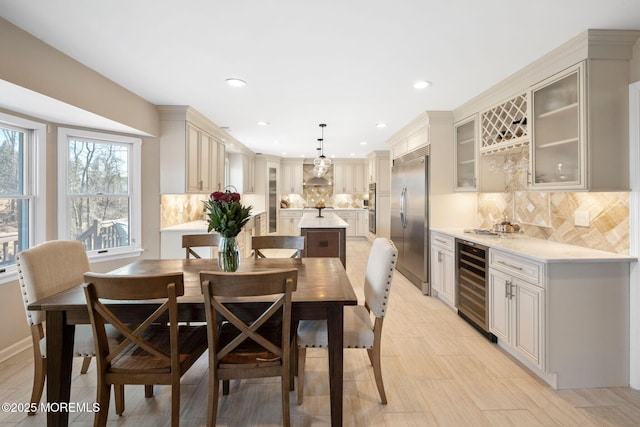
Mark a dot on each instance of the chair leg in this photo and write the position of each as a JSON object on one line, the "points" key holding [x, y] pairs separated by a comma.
{"points": [[85, 365], [286, 414], [118, 392], [374, 356], [175, 401], [39, 375], [225, 387], [148, 390], [104, 394], [302, 355], [212, 404]]}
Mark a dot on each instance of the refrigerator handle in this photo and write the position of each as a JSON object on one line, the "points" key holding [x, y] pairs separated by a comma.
{"points": [[403, 214]]}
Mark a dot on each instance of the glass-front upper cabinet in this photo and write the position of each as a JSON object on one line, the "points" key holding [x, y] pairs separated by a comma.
{"points": [[465, 154], [558, 152]]}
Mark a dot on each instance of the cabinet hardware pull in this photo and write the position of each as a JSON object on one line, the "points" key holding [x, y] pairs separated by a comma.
{"points": [[507, 288], [441, 241], [510, 289], [510, 265]]}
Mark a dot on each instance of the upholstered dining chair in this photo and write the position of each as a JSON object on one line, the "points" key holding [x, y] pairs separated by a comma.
{"points": [[190, 241], [44, 270], [359, 330], [259, 243], [155, 350], [254, 344]]}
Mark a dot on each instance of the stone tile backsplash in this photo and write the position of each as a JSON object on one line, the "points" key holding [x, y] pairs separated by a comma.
{"points": [[550, 216], [180, 208], [312, 195]]}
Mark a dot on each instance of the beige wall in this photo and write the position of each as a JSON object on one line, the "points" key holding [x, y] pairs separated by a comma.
{"points": [[43, 69], [38, 67]]}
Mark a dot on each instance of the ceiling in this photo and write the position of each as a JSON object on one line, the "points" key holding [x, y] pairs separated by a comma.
{"points": [[349, 64]]}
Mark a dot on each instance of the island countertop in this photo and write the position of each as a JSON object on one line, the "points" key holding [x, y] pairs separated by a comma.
{"points": [[328, 220]]}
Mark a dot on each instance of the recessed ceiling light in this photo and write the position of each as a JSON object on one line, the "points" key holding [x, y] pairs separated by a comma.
{"points": [[236, 82], [284, 153], [353, 154], [422, 84], [381, 125], [301, 155], [263, 123], [363, 143], [276, 142], [333, 155]]}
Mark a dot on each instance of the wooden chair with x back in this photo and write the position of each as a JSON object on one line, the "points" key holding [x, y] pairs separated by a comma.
{"points": [[190, 241], [155, 350], [296, 243], [255, 344]]}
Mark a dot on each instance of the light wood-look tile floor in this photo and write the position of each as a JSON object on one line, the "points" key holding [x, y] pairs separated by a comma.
{"points": [[438, 371]]}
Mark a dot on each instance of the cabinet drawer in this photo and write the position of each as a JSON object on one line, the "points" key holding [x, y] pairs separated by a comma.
{"points": [[523, 268], [290, 214], [443, 241]]}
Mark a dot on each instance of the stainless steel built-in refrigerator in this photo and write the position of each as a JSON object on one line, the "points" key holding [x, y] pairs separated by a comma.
{"points": [[410, 216]]}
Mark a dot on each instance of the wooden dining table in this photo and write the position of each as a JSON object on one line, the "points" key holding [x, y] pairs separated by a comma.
{"points": [[323, 290]]}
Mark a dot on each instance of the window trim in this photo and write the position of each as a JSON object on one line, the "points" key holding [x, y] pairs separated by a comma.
{"points": [[135, 175], [35, 186]]}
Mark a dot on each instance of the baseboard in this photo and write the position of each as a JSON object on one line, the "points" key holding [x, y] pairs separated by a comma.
{"points": [[14, 349]]}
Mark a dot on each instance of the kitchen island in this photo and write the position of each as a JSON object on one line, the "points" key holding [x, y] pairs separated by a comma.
{"points": [[326, 236]]}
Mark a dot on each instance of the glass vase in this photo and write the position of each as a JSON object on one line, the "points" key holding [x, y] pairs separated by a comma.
{"points": [[228, 254]]}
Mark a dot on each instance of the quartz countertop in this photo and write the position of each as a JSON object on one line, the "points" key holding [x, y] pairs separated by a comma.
{"points": [[197, 226], [328, 220], [328, 208], [539, 249]]}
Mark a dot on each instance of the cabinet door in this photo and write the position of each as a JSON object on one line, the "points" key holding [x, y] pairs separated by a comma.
{"points": [[193, 159], [436, 270], [291, 177], [359, 179], [465, 155], [527, 311], [372, 170], [448, 277], [220, 183], [339, 178], [500, 304], [558, 148], [208, 155], [363, 223]]}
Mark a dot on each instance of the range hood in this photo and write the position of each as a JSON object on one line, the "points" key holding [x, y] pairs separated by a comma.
{"points": [[318, 181]]}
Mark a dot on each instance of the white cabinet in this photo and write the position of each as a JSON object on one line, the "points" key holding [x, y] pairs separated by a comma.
{"points": [[351, 218], [558, 141], [191, 153], [380, 170], [242, 172], [349, 178], [289, 220], [291, 177], [202, 166], [363, 223], [579, 138], [516, 301], [466, 146], [443, 267]]}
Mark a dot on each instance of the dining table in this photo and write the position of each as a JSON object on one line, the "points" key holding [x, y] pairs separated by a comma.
{"points": [[322, 292]]}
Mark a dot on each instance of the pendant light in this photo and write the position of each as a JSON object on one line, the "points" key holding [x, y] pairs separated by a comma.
{"points": [[321, 164]]}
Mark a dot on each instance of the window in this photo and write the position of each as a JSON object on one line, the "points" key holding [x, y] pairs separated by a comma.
{"points": [[22, 216], [99, 192]]}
